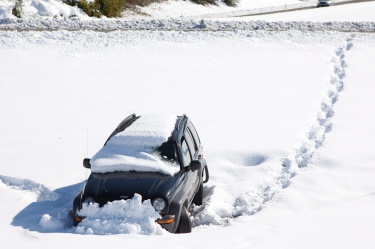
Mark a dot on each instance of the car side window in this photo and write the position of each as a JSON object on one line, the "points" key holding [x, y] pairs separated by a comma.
{"points": [[185, 153], [194, 133], [190, 141]]}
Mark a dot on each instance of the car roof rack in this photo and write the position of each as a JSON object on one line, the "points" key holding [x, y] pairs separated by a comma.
{"points": [[179, 122]]}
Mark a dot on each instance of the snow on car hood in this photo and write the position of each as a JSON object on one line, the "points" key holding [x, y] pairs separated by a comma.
{"points": [[134, 148]]}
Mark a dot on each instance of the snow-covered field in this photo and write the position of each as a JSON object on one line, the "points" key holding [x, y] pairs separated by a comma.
{"points": [[285, 118]]}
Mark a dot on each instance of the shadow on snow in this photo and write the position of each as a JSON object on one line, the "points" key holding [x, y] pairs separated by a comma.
{"points": [[57, 204]]}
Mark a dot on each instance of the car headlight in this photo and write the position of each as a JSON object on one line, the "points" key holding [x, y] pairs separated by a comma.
{"points": [[159, 204], [89, 201]]}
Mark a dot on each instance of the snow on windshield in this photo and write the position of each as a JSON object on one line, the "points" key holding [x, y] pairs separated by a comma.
{"points": [[134, 148]]}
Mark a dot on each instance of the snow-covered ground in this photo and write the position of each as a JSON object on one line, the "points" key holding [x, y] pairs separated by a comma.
{"points": [[285, 118]]}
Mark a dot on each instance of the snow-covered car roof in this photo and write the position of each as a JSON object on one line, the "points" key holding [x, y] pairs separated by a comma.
{"points": [[134, 148]]}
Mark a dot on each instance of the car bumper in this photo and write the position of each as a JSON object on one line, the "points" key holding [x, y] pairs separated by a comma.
{"points": [[167, 222]]}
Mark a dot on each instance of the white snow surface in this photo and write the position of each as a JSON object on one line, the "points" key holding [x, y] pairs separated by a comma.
{"points": [[134, 148], [285, 116]]}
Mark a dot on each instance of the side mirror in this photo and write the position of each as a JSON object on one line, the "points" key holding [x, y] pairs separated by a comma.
{"points": [[194, 165], [86, 163]]}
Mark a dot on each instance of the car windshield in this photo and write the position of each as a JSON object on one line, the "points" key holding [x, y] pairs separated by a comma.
{"points": [[168, 152]]}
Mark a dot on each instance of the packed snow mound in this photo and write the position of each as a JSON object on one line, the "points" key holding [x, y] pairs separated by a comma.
{"points": [[134, 148], [40, 9], [120, 217]]}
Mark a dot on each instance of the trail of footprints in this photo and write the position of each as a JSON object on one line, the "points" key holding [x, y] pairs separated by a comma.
{"points": [[323, 125], [252, 202]]}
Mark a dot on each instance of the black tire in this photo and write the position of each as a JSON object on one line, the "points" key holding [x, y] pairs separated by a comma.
{"points": [[198, 198], [184, 226]]}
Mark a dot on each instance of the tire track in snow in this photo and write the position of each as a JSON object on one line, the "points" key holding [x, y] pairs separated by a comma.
{"points": [[279, 177]]}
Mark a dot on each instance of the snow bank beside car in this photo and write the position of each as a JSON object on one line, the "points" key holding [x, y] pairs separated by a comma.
{"points": [[134, 148]]}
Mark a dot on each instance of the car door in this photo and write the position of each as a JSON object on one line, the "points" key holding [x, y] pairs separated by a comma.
{"points": [[196, 140], [190, 176], [193, 147]]}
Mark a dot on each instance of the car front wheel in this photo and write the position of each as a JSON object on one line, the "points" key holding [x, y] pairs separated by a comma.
{"points": [[184, 226], [198, 198]]}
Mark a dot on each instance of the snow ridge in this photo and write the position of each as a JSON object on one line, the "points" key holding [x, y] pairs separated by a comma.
{"points": [[75, 24]]}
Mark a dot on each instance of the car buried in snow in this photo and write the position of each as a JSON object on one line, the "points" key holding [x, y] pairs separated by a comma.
{"points": [[159, 157]]}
